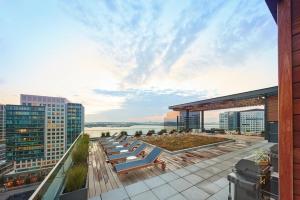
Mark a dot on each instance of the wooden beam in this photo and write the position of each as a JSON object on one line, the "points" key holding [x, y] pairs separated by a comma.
{"points": [[285, 100]]}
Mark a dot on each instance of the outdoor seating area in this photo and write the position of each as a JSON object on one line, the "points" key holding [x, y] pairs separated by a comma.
{"points": [[105, 175]]}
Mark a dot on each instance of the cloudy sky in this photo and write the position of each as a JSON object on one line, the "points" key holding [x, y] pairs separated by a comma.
{"points": [[129, 60]]}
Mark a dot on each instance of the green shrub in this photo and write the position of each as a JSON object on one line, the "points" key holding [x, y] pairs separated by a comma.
{"points": [[150, 132], [107, 134], [124, 133], [76, 177], [103, 134], [138, 134], [81, 150], [162, 131]]}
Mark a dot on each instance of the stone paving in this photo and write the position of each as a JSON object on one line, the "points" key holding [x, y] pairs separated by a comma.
{"points": [[204, 180]]}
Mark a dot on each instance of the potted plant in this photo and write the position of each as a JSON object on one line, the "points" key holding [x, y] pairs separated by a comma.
{"points": [[261, 157]]}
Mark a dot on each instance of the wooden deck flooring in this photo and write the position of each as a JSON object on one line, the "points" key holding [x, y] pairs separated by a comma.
{"points": [[102, 178]]}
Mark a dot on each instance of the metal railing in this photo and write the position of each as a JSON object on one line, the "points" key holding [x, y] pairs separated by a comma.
{"points": [[54, 181]]}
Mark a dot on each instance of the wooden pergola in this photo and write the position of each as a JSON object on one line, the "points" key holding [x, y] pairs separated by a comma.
{"points": [[266, 97], [287, 15]]}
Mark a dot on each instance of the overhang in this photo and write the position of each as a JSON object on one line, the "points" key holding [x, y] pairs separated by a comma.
{"points": [[250, 98]]}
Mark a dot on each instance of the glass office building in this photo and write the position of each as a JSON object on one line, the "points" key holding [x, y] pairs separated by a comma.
{"points": [[229, 121], [189, 120], [75, 119], [25, 127]]}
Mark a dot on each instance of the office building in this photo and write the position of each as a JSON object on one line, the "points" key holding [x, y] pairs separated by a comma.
{"points": [[39, 131], [229, 121], [25, 127], [189, 120], [75, 122], [252, 121]]}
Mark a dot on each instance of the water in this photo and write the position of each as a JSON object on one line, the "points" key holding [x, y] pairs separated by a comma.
{"points": [[96, 131]]}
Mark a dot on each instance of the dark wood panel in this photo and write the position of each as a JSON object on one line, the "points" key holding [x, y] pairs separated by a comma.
{"points": [[297, 155], [295, 10], [296, 124], [296, 107], [296, 27], [297, 171], [296, 185], [296, 42], [285, 100], [296, 139], [296, 74], [296, 58], [296, 90]]}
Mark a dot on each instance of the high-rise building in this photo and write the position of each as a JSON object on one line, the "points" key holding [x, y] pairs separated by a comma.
{"points": [[189, 120], [55, 132], [75, 122], [252, 121], [25, 127], [39, 131], [229, 121]]}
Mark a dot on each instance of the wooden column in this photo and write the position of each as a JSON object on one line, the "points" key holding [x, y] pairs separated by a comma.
{"points": [[285, 100], [202, 121]]}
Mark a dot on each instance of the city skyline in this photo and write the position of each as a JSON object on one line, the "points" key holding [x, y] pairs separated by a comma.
{"points": [[132, 64]]}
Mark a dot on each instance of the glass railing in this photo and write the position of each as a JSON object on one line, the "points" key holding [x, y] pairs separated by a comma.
{"points": [[52, 185]]}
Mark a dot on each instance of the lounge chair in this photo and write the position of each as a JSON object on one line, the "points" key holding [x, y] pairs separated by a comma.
{"points": [[119, 157], [112, 141], [150, 160], [129, 148], [122, 142]]}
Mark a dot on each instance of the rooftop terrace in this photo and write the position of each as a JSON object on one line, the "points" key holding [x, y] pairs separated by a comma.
{"points": [[201, 172]]}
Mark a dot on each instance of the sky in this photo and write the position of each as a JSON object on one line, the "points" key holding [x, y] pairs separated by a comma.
{"points": [[129, 60]]}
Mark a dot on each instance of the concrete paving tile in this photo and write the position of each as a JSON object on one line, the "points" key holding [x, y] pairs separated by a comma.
{"points": [[201, 165], [177, 197], [95, 198], [193, 178], [222, 182], [192, 168], [204, 173], [136, 188], [116, 194], [170, 176], [148, 195], [195, 193], [154, 182], [180, 184], [164, 191], [182, 172], [213, 169], [210, 162], [209, 187]]}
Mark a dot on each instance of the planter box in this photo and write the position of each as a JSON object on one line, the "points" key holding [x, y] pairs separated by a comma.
{"points": [[81, 194]]}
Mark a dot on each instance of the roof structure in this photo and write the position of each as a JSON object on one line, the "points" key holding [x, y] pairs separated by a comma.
{"points": [[250, 98]]}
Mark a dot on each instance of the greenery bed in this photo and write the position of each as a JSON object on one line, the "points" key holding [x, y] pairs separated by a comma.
{"points": [[76, 175], [184, 141]]}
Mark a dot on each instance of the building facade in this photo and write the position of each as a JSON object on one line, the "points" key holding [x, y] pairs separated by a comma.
{"points": [[40, 130], [229, 121], [25, 127], [252, 121], [55, 130], [189, 120], [75, 122]]}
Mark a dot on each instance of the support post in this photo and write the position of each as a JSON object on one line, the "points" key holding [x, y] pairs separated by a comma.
{"points": [[202, 121], [177, 123], [267, 134], [187, 121]]}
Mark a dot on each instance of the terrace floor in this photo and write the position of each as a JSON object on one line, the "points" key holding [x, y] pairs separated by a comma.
{"points": [[190, 168]]}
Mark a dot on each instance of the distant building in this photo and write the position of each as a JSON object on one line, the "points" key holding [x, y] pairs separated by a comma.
{"points": [[25, 127], [170, 120], [40, 130], [229, 121], [75, 122], [252, 121], [189, 120]]}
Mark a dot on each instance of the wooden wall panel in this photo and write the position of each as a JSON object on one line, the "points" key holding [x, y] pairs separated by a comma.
{"points": [[295, 17], [296, 90], [285, 100], [296, 42], [296, 74], [296, 107], [296, 58], [297, 139], [272, 108]]}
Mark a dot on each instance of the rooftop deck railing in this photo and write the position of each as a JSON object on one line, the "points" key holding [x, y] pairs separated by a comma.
{"points": [[52, 185]]}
